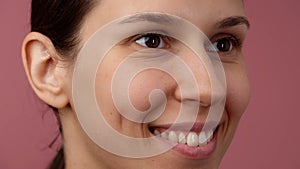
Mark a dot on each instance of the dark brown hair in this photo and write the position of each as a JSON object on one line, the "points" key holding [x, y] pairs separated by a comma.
{"points": [[60, 21]]}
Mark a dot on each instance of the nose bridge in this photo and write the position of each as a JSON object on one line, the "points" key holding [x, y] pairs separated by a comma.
{"points": [[201, 77]]}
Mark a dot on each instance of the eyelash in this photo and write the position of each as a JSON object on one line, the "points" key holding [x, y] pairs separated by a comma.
{"points": [[165, 39], [235, 42]]}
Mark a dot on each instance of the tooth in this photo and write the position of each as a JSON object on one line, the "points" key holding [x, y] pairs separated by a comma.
{"points": [[164, 135], [202, 138], [181, 138], [192, 139], [209, 135], [173, 137], [156, 132]]}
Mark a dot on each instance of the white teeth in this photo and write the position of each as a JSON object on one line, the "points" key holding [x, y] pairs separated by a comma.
{"points": [[202, 138], [164, 135], [157, 133], [181, 138], [209, 135], [192, 139], [173, 137]]}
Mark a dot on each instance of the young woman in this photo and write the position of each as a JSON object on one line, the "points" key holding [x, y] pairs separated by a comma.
{"points": [[61, 28]]}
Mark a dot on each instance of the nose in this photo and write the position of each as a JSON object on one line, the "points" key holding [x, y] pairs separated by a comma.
{"points": [[204, 93], [209, 83]]}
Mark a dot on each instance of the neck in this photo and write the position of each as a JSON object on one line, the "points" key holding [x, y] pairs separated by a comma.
{"points": [[78, 148]]}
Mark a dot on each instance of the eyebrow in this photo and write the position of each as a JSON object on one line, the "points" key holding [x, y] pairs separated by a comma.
{"points": [[233, 21], [156, 18], [165, 19]]}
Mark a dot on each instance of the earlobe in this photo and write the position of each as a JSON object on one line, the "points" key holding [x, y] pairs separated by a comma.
{"points": [[41, 63]]}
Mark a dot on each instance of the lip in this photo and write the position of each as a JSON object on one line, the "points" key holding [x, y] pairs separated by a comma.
{"points": [[196, 127], [198, 152]]}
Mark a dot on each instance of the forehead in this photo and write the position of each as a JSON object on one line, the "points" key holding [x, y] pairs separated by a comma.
{"points": [[202, 13]]}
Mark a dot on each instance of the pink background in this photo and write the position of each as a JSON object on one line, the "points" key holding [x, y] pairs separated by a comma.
{"points": [[268, 136]]}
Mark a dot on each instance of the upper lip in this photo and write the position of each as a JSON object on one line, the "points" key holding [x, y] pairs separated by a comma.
{"points": [[196, 127]]}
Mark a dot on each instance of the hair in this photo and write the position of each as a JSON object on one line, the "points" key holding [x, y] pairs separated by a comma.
{"points": [[60, 21]]}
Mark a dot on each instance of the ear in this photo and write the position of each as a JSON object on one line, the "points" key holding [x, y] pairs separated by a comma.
{"points": [[44, 71]]}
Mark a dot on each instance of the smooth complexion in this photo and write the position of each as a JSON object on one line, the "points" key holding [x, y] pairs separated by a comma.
{"points": [[51, 79]]}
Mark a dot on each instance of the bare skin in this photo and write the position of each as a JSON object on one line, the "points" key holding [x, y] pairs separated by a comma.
{"points": [[51, 78]]}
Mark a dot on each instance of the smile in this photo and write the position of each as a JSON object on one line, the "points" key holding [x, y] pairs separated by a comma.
{"points": [[195, 144]]}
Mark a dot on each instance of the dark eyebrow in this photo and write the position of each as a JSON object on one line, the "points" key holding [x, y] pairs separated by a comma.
{"points": [[165, 19], [233, 21], [157, 18]]}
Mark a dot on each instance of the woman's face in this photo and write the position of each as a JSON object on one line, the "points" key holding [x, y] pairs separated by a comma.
{"points": [[228, 39]]}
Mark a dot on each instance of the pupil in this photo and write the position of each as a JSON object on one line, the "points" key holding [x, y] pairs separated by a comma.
{"points": [[224, 45], [152, 41]]}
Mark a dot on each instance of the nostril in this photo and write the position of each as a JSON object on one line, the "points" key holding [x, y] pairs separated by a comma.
{"points": [[204, 104], [187, 93], [205, 96], [177, 94]]}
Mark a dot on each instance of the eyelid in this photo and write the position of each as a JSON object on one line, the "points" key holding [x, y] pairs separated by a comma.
{"points": [[136, 37], [236, 41], [143, 40], [132, 39]]}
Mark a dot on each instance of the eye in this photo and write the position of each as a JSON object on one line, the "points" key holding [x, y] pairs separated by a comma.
{"points": [[223, 45], [151, 40]]}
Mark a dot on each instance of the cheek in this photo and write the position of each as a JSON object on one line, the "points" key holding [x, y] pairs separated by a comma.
{"points": [[140, 87], [238, 91], [103, 87], [144, 83]]}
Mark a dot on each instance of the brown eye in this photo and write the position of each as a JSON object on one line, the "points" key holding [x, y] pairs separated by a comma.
{"points": [[151, 41], [223, 45]]}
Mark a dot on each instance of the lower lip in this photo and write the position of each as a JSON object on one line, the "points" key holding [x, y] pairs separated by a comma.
{"points": [[198, 152]]}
